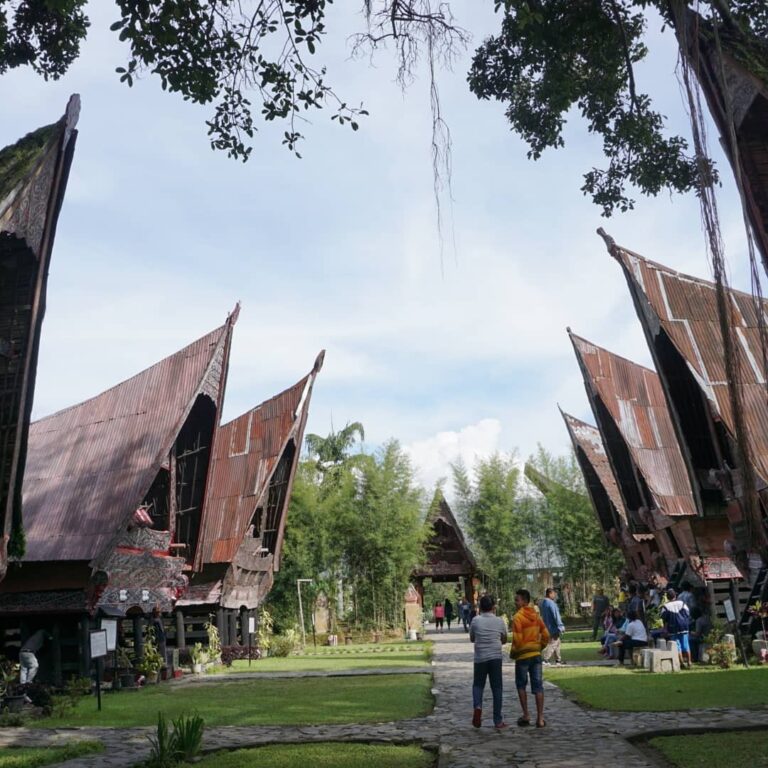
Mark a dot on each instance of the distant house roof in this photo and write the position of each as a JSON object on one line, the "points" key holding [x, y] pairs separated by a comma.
{"points": [[634, 401], [33, 178], [685, 308], [598, 475], [245, 456], [91, 464]]}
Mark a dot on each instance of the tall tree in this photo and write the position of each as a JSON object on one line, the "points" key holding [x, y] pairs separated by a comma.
{"points": [[549, 59], [489, 503]]}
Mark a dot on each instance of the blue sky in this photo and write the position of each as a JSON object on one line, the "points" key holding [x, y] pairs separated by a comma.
{"points": [[454, 356]]}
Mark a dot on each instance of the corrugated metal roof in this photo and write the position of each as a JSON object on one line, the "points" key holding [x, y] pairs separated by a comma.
{"points": [[635, 400], [587, 438], [731, 72], [33, 179], [687, 310], [90, 465], [245, 455]]}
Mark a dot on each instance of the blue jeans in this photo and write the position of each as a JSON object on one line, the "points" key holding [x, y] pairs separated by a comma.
{"points": [[530, 667], [492, 670]]}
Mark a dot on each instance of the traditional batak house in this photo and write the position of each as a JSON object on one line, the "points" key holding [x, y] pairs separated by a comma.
{"points": [[632, 417], [116, 498], [679, 316], [33, 178], [113, 500], [255, 459], [638, 547]]}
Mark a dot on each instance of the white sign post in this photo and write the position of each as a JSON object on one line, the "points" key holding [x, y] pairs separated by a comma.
{"points": [[251, 630], [98, 651]]}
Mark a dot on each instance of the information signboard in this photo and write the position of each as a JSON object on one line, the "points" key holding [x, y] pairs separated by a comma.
{"points": [[110, 627], [98, 643]]}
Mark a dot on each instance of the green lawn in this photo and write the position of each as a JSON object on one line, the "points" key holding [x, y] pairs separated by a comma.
{"points": [[344, 657], [637, 691], [322, 756], [715, 750], [31, 757], [262, 702], [577, 636], [580, 651]]}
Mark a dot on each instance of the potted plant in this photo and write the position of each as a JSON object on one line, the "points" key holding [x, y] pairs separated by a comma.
{"points": [[12, 695], [199, 657], [759, 610], [125, 675], [151, 661]]}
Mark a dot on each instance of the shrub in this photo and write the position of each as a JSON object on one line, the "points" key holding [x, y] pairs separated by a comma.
{"points": [[284, 645], [12, 720], [230, 653], [40, 695], [185, 657], [214, 642], [722, 655]]}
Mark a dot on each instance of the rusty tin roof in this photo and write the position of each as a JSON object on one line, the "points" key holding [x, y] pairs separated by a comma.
{"points": [[245, 454], [685, 307], [91, 464], [635, 401], [588, 443]]}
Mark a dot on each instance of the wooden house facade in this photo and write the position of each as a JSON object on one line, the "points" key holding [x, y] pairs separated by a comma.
{"points": [[33, 179]]}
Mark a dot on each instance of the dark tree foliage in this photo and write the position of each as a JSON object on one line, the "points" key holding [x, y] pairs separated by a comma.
{"points": [[555, 56]]}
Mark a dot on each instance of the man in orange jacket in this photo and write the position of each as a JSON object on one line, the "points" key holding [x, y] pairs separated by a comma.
{"points": [[529, 638]]}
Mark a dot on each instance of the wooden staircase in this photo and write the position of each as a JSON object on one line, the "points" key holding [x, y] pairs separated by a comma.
{"points": [[759, 592]]}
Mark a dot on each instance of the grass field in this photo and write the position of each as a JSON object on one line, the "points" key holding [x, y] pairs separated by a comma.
{"points": [[262, 702], [322, 756], [636, 691], [31, 757], [715, 750]]}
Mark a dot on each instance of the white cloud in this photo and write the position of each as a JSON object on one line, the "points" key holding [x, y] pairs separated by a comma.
{"points": [[433, 456]]}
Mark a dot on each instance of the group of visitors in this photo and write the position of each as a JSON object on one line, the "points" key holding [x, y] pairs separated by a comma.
{"points": [[683, 617], [530, 637], [443, 614]]}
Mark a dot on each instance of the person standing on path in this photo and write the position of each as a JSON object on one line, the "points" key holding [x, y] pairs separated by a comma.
{"points": [[599, 603], [448, 607], [488, 632], [438, 614], [529, 638], [550, 615], [464, 613]]}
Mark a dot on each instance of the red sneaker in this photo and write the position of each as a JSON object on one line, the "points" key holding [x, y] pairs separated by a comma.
{"points": [[477, 717]]}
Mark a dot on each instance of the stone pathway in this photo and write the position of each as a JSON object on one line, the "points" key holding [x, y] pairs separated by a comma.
{"points": [[568, 741]]}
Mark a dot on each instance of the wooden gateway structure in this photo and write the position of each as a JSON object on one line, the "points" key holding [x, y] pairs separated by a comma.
{"points": [[137, 498], [448, 555], [33, 178]]}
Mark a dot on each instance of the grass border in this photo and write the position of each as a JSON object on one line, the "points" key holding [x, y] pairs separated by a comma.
{"points": [[641, 740]]}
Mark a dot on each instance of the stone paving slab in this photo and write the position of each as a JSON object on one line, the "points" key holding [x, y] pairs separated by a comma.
{"points": [[571, 739]]}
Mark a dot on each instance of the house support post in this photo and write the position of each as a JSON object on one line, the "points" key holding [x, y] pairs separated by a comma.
{"points": [[232, 626], [221, 625], [138, 636], [181, 639], [56, 653], [85, 645]]}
